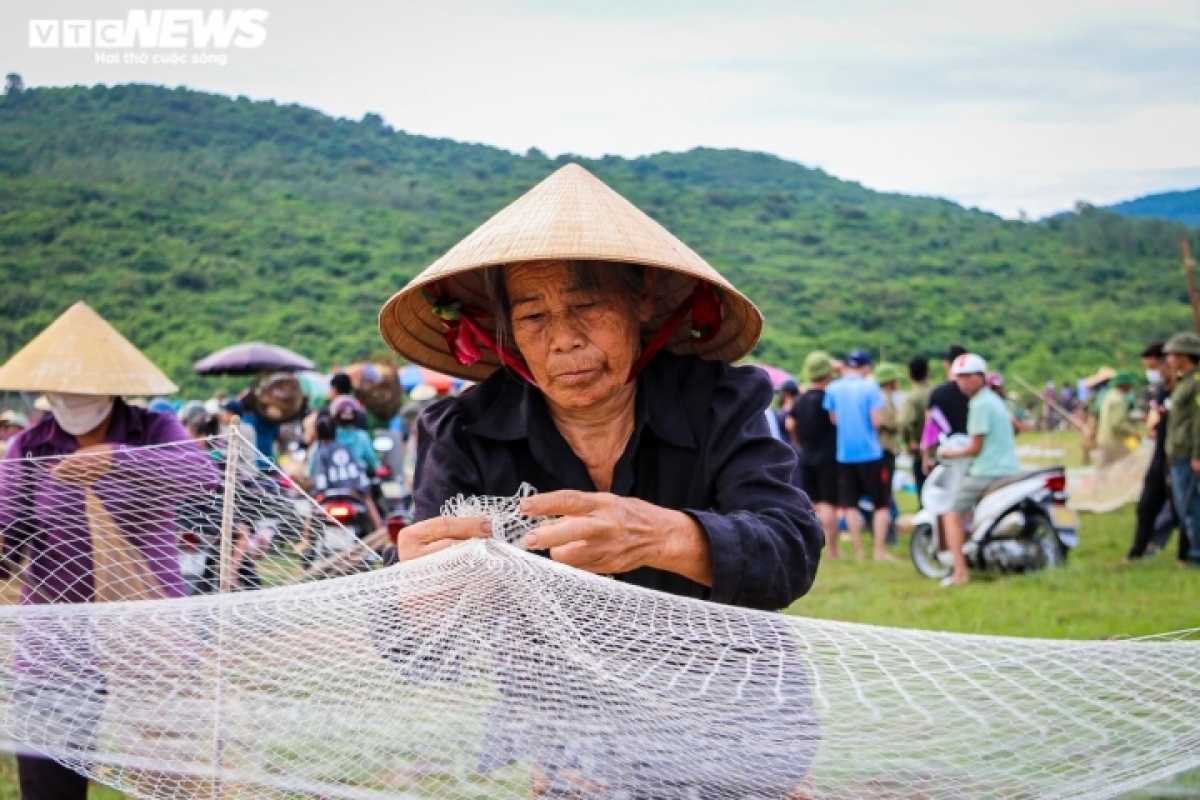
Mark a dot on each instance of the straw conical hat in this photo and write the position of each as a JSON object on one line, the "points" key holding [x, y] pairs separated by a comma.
{"points": [[80, 353], [1103, 374], [570, 215]]}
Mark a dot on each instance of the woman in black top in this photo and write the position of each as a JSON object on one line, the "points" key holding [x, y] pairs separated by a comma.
{"points": [[602, 344]]}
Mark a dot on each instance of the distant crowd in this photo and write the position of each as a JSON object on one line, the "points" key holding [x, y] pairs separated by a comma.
{"points": [[850, 421]]}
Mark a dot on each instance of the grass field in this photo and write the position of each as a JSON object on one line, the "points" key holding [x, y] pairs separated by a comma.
{"points": [[1095, 596]]}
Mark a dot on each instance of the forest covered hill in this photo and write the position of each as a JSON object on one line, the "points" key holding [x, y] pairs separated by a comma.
{"points": [[1175, 206], [193, 221]]}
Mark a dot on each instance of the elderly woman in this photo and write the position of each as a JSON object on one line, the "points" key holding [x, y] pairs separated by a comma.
{"points": [[602, 343], [84, 516], [616, 402]]}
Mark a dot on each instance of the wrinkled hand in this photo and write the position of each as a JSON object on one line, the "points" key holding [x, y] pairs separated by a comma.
{"points": [[607, 535], [439, 533], [84, 466]]}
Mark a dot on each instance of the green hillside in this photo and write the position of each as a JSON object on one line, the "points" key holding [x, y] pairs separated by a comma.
{"points": [[1178, 206], [193, 221]]}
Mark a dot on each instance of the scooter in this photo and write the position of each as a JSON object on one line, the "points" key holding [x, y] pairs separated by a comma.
{"points": [[1021, 523], [388, 487], [348, 509]]}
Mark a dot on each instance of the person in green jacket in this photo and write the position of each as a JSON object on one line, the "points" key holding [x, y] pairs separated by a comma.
{"points": [[890, 437], [1114, 425], [912, 416], [1183, 437]]}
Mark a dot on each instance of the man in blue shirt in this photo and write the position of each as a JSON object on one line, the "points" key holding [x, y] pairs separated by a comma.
{"points": [[855, 405]]}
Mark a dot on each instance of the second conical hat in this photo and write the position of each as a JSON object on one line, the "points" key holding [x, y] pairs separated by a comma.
{"points": [[80, 353], [571, 215]]}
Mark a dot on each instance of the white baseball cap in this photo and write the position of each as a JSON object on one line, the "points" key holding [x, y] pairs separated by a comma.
{"points": [[968, 364]]}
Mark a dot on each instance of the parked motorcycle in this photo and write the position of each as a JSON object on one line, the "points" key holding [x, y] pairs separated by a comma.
{"points": [[1021, 523]]}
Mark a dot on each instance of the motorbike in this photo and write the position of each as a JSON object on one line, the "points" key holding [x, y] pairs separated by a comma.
{"points": [[264, 514], [1020, 524], [348, 509], [388, 486]]}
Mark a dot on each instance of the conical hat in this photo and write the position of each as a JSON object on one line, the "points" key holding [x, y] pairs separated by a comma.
{"points": [[1103, 374], [571, 215], [80, 353]]}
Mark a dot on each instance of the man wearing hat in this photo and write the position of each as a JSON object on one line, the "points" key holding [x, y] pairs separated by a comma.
{"points": [[816, 436], [1183, 437], [1113, 425], [80, 509], [912, 417], [888, 376], [993, 449], [1098, 386], [603, 346], [856, 406]]}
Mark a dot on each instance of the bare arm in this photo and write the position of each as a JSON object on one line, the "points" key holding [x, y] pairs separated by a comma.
{"points": [[973, 449]]}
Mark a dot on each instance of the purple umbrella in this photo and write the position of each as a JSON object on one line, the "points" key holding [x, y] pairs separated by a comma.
{"points": [[250, 358]]}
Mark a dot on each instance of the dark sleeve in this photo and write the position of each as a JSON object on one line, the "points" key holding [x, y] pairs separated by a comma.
{"points": [[794, 413], [935, 399], [16, 504], [766, 540], [443, 469]]}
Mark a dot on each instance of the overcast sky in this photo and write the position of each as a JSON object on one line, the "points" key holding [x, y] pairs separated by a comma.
{"points": [[1010, 106]]}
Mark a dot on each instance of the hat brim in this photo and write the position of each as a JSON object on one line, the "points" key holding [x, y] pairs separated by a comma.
{"points": [[410, 327], [570, 216]]}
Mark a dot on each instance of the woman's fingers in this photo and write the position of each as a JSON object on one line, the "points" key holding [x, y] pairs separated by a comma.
{"points": [[459, 528], [439, 533], [581, 555], [567, 503], [565, 530]]}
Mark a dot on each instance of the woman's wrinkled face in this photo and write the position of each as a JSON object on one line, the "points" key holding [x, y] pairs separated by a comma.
{"points": [[578, 343]]}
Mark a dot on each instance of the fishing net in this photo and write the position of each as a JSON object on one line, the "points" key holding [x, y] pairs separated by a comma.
{"points": [[487, 671], [1106, 488]]}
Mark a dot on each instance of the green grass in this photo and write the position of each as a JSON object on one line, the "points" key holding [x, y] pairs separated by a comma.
{"points": [[1066, 441], [1094, 597]]}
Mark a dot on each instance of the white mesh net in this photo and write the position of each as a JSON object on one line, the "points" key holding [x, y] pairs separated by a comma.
{"points": [[486, 671], [1106, 488]]}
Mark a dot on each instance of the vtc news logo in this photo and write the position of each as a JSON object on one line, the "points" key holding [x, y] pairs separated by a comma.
{"points": [[154, 29]]}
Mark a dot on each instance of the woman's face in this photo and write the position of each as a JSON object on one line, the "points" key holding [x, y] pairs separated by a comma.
{"points": [[579, 344]]}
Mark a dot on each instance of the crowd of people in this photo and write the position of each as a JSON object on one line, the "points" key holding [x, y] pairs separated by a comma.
{"points": [[851, 423], [1170, 498]]}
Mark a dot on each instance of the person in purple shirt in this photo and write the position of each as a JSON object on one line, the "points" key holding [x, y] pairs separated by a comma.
{"points": [[88, 518]]}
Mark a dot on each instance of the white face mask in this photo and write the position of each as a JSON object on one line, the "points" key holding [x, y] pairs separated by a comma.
{"points": [[1153, 377], [78, 414]]}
